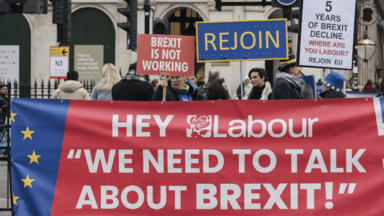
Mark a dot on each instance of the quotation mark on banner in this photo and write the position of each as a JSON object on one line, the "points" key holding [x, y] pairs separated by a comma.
{"points": [[329, 191], [71, 152]]}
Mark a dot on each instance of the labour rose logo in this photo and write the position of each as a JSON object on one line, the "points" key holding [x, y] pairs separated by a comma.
{"points": [[199, 126]]}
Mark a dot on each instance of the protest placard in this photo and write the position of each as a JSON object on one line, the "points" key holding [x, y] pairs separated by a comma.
{"points": [[326, 38], [165, 55], [244, 40]]}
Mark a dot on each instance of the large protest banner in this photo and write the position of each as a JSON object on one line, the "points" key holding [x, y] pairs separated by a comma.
{"points": [[326, 38], [304, 157]]}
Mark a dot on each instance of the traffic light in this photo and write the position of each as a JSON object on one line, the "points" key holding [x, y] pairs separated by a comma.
{"points": [[57, 11], [160, 27], [296, 15], [286, 3], [35, 7], [24, 6], [63, 18], [131, 25]]}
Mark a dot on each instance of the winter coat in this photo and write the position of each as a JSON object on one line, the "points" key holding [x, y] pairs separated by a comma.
{"points": [[71, 89], [132, 90], [4, 108], [246, 89], [259, 93], [283, 90], [331, 94], [172, 95], [101, 94], [216, 96], [202, 90]]}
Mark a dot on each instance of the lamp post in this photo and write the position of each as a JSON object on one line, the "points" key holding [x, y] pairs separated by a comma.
{"points": [[366, 47]]}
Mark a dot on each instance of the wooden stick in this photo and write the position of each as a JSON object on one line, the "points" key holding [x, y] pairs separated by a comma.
{"points": [[165, 89]]}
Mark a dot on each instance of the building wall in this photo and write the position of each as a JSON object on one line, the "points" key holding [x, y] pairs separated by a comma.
{"points": [[43, 35]]}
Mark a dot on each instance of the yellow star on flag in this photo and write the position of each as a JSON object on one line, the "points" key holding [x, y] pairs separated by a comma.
{"points": [[13, 116], [27, 133], [34, 157], [15, 198], [27, 181]]}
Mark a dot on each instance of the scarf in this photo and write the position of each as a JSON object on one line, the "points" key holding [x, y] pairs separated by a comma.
{"points": [[134, 77], [183, 92], [305, 90]]}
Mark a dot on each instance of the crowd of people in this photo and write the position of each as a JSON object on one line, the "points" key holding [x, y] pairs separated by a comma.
{"points": [[256, 86]]}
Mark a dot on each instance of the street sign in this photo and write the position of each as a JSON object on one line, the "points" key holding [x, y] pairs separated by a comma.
{"points": [[245, 40], [286, 3], [327, 34], [58, 62], [165, 55], [9, 62]]}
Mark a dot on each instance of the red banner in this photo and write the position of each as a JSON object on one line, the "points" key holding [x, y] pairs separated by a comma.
{"points": [[165, 55], [303, 157]]}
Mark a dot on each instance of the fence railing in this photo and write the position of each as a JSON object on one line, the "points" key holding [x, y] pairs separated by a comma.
{"points": [[40, 90]]}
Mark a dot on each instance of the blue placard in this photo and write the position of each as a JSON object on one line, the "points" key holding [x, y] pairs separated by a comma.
{"points": [[242, 40]]}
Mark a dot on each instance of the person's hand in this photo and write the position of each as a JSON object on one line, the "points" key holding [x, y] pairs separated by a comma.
{"points": [[163, 82]]}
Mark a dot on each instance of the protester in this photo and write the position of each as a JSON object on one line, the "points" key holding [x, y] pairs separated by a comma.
{"points": [[154, 83], [3, 103], [261, 88], [193, 80], [319, 86], [246, 86], [377, 85], [369, 86], [212, 76], [333, 86], [71, 88], [217, 90], [288, 85], [178, 88], [132, 87], [103, 89], [348, 86]]}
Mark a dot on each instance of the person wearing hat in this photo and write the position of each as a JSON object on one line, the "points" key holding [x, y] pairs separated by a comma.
{"points": [[333, 86], [246, 86], [288, 85]]}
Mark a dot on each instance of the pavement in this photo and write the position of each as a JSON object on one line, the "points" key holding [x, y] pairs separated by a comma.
{"points": [[3, 188]]}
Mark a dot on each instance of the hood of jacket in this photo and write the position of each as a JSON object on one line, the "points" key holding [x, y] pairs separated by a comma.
{"points": [[70, 86], [332, 94]]}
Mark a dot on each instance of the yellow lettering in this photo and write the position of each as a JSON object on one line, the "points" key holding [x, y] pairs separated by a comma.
{"points": [[268, 36], [210, 41], [260, 40], [222, 41], [235, 40], [242, 40]]}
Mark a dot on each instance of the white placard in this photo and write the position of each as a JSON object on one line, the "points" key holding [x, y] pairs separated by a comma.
{"points": [[59, 66], [9, 62], [327, 32]]}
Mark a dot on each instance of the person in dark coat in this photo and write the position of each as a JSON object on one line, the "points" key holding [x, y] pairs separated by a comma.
{"points": [[3, 103], [132, 87], [217, 90], [287, 85], [178, 89], [212, 76], [332, 86]]}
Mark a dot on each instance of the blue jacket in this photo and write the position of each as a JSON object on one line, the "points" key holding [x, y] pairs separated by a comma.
{"points": [[283, 90]]}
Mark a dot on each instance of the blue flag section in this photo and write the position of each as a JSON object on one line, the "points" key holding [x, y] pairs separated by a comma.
{"points": [[242, 40], [37, 134]]}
